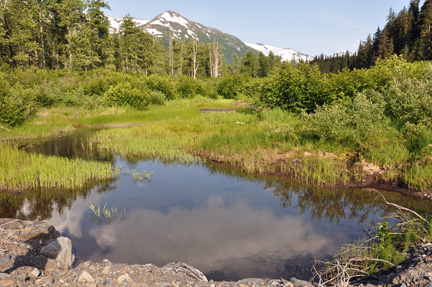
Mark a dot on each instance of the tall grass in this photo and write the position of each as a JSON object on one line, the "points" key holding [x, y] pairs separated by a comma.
{"points": [[338, 140], [20, 170]]}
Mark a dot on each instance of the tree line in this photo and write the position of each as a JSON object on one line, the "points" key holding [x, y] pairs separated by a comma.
{"points": [[75, 34], [407, 34]]}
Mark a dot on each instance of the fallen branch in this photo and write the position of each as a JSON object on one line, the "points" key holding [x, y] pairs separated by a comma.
{"points": [[404, 208]]}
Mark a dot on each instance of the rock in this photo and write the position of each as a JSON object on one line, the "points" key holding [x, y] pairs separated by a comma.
{"points": [[180, 267], [35, 272], [123, 278], [61, 250], [106, 270], [7, 281], [300, 283], [85, 277], [46, 281], [5, 259], [250, 280]]}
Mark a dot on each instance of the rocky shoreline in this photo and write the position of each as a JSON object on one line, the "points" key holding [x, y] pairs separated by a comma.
{"points": [[35, 254]]}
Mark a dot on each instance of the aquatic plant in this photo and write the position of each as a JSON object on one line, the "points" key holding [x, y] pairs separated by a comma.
{"points": [[136, 175], [105, 214], [20, 170]]}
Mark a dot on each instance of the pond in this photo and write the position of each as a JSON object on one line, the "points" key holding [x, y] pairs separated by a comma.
{"points": [[226, 224]]}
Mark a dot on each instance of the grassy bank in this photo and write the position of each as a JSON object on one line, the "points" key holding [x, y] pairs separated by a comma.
{"points": [[271, 142], [268, 141], [20, 171], [360, 127]]}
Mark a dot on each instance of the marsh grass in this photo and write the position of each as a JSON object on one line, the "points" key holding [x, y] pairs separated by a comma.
{"points": [[253, 140], [137, 175], [105, 214], [263, 145], [20, 170]]}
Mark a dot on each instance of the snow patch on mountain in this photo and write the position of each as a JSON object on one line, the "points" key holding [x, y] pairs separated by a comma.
{"points": [[342, 53], [116, 22], [171, 24], [174, 17], [286, 54]]}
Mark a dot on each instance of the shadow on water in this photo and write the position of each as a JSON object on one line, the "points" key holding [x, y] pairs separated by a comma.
{"points": [[227, 224]]}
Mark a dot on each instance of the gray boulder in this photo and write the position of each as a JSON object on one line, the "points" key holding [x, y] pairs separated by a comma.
{"points": [[61, 250], [180, 267]]}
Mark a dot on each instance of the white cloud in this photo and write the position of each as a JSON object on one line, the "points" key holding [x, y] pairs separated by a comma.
{"points": [[211, 237]]}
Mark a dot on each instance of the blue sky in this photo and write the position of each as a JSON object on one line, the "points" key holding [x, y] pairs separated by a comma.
{"points": [[308, 26]]}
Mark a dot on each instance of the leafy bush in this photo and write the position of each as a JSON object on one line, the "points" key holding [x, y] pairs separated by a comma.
{"points": [[164, 84], [187, 87], [124, 94], [350, 122], [157, 98], [231, 87], [294, 88], [17, 105], [409, 100], [207, 88]]}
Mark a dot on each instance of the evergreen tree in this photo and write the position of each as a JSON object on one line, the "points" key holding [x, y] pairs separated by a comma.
{"points": [[21, 32], [97, 25], [264, 67], [425, 41], [129, 45], [385, 45], [249, 64]]}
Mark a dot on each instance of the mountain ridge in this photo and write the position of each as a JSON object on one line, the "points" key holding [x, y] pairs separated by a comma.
{"points": [[171, 24]]}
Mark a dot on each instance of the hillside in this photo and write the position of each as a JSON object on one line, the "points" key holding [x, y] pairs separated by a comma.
{"points": [[173, 24]]}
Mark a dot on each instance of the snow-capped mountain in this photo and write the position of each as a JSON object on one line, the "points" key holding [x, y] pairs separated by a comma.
{"points": [[116, 22], [342, 53], [286, 54], [171, 24]]}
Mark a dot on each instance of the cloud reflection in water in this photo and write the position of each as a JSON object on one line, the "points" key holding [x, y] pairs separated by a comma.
{"points": [[211, 237]]}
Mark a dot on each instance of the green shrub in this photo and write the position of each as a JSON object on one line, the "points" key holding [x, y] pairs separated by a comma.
{"points": [[207, 88], [409, 100], [294, 88], [124, 94], [164, 84], [17, 105], [157, 97], [231, 87], [187, 87], [350, 122]]}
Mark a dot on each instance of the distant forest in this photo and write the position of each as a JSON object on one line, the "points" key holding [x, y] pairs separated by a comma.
{"points": [[407, 34], [75, 35]]}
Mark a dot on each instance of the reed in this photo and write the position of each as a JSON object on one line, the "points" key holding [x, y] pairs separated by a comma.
{"points": [[105, 214], [265, 142], [20, 170]]}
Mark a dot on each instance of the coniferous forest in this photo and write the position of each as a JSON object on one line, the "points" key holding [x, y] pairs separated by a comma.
{"points": [[407, 33], [75, 35]]}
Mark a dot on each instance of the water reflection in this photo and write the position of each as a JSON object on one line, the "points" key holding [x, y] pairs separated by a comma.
{"points": [[227, 224], [215, 236], [73, 145]]}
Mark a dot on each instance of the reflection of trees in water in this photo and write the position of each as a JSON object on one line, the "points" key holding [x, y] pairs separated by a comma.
{"points": [[40, 204], [324, 203], [331, 204], [74, 145], [338, 204]]}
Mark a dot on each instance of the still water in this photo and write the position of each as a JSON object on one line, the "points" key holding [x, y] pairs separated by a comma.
{"points": [[228, 225]]}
